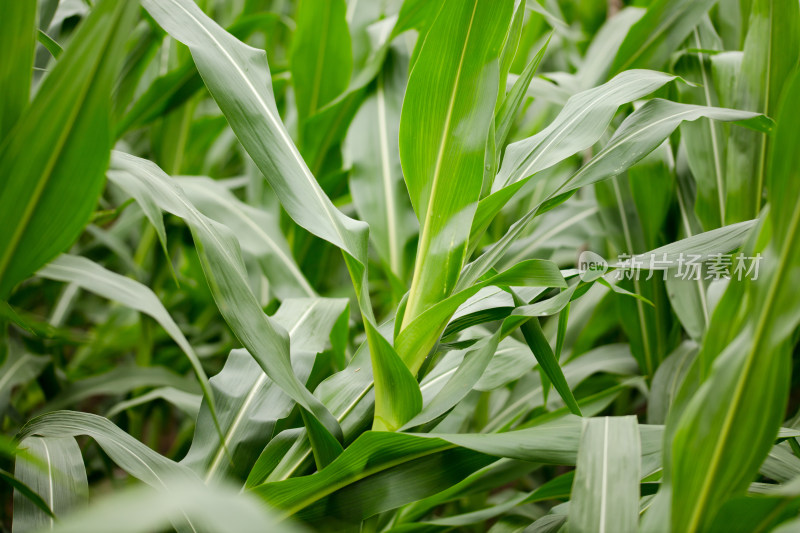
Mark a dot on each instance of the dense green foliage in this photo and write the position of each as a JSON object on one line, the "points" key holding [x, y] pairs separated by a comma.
{"points": [[322, 265]]}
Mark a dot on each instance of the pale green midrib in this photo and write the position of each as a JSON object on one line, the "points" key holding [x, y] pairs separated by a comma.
{"points": [[737, 396], [604, 478], [55, 155], [278, 127], [237, 419], [425, 241], [648, 355], [391, 216], [601, 97], [49, 481]]}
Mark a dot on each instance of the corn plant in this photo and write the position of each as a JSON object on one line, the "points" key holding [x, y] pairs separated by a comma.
{"points": [[452, 265]]}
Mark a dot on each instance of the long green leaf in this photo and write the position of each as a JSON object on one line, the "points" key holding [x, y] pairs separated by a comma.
{"points": [[238, 78], [377, 452], [60, 481], [52, 163], [605, 493], [222, 264], [658, 33], [321, 60], [447, 112], [17, 33], [771, 53], [745, 393]]}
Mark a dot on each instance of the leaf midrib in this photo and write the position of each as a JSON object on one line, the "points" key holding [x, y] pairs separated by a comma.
{"points": [[758, 335], [276, 123], [425, 240], [248, 400]]}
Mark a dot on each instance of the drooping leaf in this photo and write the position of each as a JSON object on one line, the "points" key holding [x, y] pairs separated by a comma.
{"points": [[222, 264], [250, 403], [94, 278], [257, 231]]}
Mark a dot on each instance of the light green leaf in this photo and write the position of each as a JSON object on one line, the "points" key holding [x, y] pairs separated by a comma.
{"points": [[753, 369], [60, 480], [605, 493], [222, 264], [185, 401], [216, 508], [119, 381], [94, 278], [658, 33], [321, 60], [452, 91], [770, 55]]}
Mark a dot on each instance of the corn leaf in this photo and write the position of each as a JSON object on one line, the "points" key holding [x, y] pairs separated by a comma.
{"points": [[451, 93], [66, 132]]}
